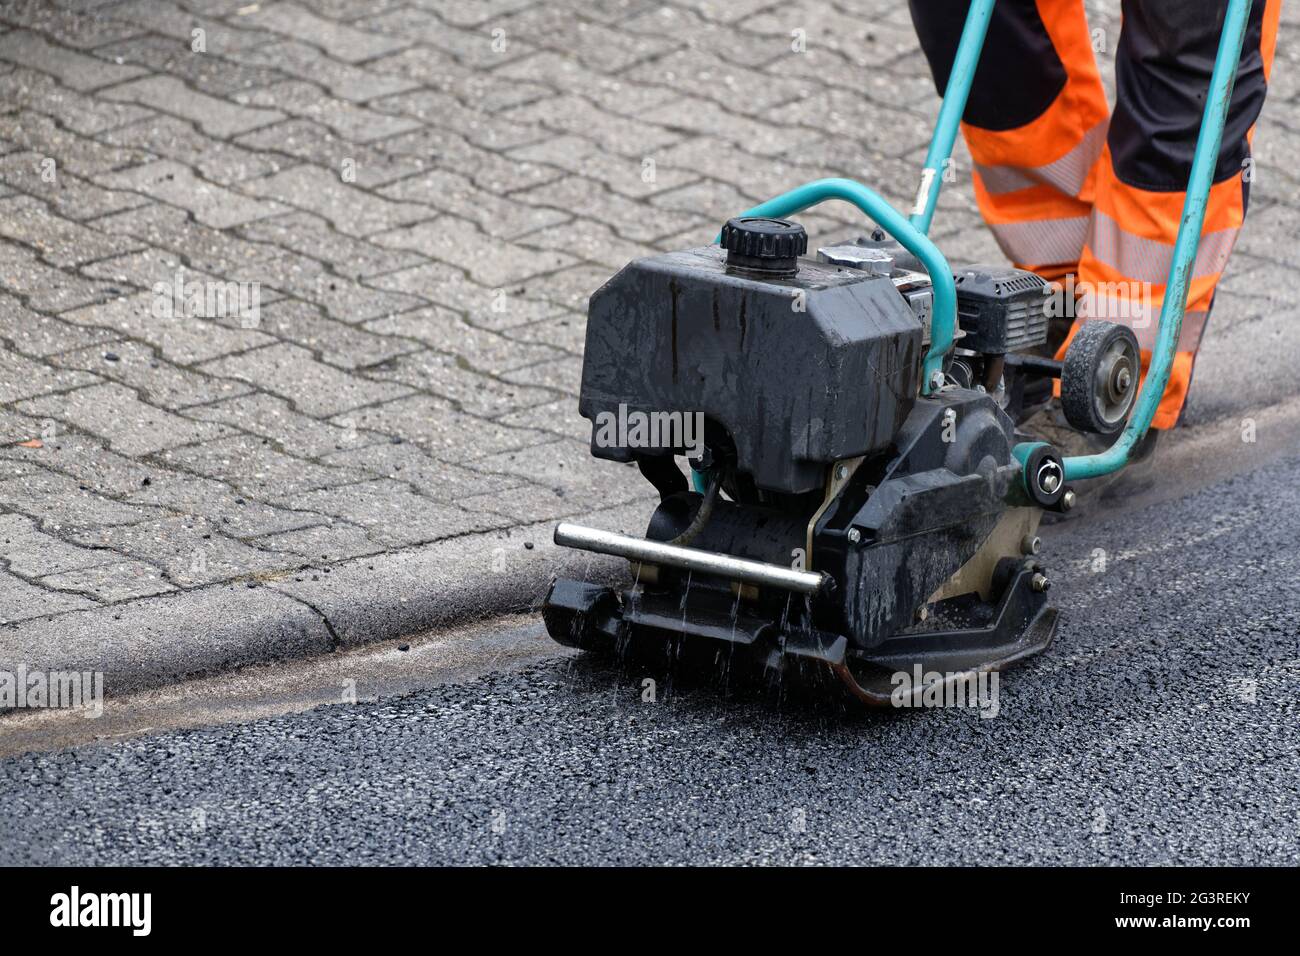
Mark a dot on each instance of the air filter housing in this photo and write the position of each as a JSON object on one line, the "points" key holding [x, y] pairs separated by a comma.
{"points": [[1001, 309]]}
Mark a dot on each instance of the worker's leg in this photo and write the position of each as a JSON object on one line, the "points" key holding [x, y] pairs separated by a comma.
{"points": [[1164, 59], [1035, 122]]}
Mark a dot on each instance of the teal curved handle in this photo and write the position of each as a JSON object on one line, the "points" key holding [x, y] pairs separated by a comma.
{"points": [[943, 321]]}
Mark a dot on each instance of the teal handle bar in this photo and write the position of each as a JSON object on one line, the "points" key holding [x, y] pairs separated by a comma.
{"points": [[955, 95], [943, 322], [1174, 306]]}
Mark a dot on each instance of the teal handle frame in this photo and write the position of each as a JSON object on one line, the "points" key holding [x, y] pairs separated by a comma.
{"points": [[955, 95], [1204, 161]]}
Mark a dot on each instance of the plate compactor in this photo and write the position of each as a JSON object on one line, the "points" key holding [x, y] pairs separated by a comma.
{"points": [[859, 501]]}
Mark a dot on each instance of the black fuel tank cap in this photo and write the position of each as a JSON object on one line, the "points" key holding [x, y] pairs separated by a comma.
{"points": [[760, 244]]}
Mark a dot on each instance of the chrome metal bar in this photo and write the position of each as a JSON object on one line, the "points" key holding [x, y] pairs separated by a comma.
{"points": [[688, 559]]}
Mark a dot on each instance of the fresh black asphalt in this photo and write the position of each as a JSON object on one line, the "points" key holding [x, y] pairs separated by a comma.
{"points": [[1163, 727]]}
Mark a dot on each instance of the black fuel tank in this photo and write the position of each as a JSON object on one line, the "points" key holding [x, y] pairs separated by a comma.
{"points": [[801, 370]]}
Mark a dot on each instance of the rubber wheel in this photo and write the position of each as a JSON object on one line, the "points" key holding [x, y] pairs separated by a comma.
{"points": [[1099, 378]]}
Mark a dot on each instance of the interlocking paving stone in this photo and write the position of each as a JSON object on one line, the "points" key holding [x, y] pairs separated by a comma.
{"points": [[435, 479], [38, 335], [56, 240], [80, 30], [172, 20], [81, 457], [538, 503], [489, 92], [342, 80], [253, 467], [624, 216], [82, 155], [324, 542], [43, 287], [233, 259], [356, 124], [436, 426], [489, 261], [605, 49], [339, 40], [119, 581], [580, 117], [167, 136], [157, 381], [480, 350], [559, 418], [182, 339], [390, 512], [208, 73], [590, 241], [633, 177], [31, 553], [452, 192], [22, 88], [352, 211], [176, 184], [190, 550], [67, 194], [215, 116], [477, 14], [60, 502], [496, 172], [569, 290], [450, 378], [302, 323], [21, 377], [129, 426], [312, 235], [16, 428], [487, 308], [477, 48], [566, 332], [316, 143], [294, 373], [238, 515], [148, 268], [290, 431], [20, 600], [486, 131], [557, 375], [75, 70]]}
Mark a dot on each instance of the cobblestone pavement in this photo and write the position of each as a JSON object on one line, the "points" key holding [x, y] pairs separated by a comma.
{"points": [[414, 200]]}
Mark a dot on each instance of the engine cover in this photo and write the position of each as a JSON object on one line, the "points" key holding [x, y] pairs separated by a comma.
{"points": [[800, 369]]}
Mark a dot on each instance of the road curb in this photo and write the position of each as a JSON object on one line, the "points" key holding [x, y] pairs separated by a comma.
{"points": [[167, 638]]}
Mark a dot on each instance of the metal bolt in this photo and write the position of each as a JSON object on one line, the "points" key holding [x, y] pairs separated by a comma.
{"points": [[841, 472], [1124, 379], [936, 380], [1050, 482], [855, 535], [1030, 544], [1039, 582], [922, 613], [1067, 501]]}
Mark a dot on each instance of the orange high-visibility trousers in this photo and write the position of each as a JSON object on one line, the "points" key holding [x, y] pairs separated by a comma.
{"points": [[1093, 198]]}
